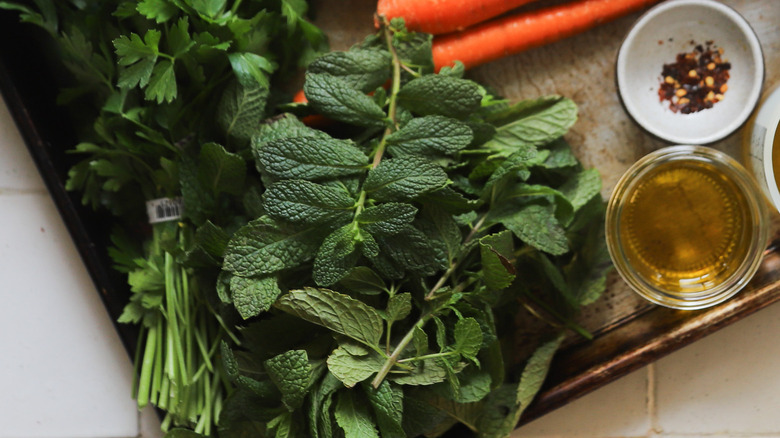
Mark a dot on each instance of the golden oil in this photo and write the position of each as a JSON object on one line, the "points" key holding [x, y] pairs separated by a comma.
{"points": [[686, 227]]}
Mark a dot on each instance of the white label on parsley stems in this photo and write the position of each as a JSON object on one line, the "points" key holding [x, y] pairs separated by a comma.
{"points": [[164, 209]]}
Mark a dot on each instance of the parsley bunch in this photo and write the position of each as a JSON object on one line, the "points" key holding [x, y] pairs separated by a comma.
{"points": [[389, 257], [165, 95]]}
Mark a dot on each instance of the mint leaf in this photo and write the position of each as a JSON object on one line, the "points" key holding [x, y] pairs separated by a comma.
{"points": [[198, 200], [475, 385], [264, 246], [468, 338], [582, 187], [240, 110], [560, 156], [534, 374], [386, 219], [283, 126], [399, 306], [253, 296], [352, 370], [429, 136], [449, 200], [335, 98], [420, 341], [354, 417], [411, 249], [311, 157], [532, 122], [319, 406], [290, 373], [514, 167], [420, 418], [338, 312], [282, 426], [536, 225], [442, 230], [495, 251], [363, 70], [387, 403], [304, 202], [220, 170], [403, 179], [442, 95], [564, 210], [362, 279], [553, 273], [337, 255]]}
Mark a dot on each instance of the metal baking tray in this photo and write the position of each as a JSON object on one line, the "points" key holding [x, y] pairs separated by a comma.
{"points": [[628, 332]]}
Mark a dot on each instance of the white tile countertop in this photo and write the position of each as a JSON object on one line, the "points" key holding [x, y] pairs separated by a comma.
{"points": [[64, 373]]}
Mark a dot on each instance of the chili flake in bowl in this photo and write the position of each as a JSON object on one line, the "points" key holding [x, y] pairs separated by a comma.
{"points": [[696, 80], [674, 78]]}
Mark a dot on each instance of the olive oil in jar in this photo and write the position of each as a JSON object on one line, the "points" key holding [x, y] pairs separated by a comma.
{"points": [[684, 226]]}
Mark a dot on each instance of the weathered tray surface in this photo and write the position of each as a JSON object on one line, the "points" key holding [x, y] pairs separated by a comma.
{"points": [[629, 332]]}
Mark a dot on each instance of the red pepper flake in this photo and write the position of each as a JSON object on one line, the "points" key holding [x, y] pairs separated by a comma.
{"points": [[696, 80]]}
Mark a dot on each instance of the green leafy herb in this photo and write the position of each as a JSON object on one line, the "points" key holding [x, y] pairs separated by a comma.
{"points": [[360, 280]]}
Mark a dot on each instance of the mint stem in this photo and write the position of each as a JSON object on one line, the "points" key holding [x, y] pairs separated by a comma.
{"points": [[396, 86], [382, 373], [443, 279], [428, 356]]}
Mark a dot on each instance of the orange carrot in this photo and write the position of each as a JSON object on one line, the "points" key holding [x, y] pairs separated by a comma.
{"points": [[506, 36], [314, 120], [444, 16]]}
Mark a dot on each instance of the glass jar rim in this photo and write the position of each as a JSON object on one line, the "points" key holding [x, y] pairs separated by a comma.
{"points": [[757, 213]]}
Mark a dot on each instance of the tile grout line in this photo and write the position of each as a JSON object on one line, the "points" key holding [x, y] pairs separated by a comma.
{"points": [[652, 402]]}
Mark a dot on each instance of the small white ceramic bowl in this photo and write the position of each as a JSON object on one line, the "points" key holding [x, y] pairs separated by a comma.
{"points": [[668, 29]]}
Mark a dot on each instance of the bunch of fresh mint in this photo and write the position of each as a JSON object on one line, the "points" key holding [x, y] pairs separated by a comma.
{"points": [[388, 257]]}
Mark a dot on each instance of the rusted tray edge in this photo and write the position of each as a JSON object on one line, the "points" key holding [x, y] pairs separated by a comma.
{"points": [[634, 346]]}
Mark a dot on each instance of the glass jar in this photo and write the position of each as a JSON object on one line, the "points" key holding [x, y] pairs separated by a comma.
{"points": [[686, 227]]}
